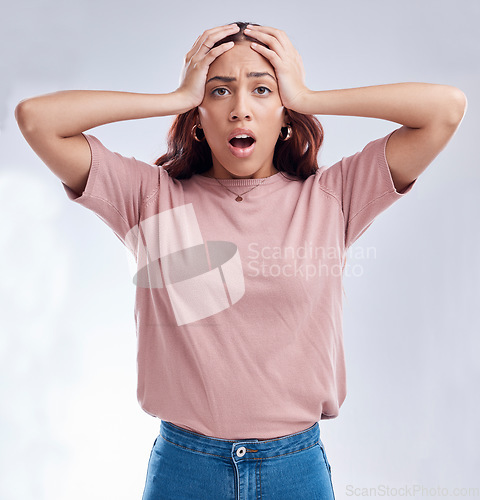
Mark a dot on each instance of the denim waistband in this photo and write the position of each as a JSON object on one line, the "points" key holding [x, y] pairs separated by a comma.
{"points": [[253, 448]]}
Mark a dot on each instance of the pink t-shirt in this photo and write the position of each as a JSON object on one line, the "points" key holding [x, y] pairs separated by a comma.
{"points": [[238, 305]]}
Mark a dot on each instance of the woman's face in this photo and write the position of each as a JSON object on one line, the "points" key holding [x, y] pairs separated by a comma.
{"points": [[245, 101]]}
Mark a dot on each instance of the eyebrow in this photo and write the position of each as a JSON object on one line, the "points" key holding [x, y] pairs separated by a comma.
{"points": [[252, 74]]}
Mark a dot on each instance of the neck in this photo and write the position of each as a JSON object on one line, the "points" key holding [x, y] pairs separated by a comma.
{"points": [[225, 174]]}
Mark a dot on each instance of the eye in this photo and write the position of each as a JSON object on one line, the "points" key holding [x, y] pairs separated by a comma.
{"points": [[220, 88], [264, 88]]}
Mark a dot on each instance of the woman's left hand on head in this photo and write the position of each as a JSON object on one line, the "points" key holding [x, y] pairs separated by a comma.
{"points": [[287, 63]]}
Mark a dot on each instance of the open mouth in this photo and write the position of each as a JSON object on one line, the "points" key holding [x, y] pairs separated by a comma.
{"points": [[242, 145], [242, 142]]}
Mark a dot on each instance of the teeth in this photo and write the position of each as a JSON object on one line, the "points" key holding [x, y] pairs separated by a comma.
{"points": [[242, 136]]}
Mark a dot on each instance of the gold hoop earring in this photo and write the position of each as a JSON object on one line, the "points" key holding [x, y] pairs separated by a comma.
{"points": [[289, 133], [194, 133]]}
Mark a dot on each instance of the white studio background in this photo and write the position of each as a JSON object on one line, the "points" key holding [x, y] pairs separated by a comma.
{"points": [[70, 424]]}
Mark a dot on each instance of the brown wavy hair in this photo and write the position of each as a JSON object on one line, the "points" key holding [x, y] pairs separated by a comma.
{"points": [[297, 156]]}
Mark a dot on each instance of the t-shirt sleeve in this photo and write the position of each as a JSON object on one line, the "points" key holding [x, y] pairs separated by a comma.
{"points": [[116, 188], [364, 187]]}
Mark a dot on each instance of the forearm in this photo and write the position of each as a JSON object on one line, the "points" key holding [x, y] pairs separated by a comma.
{"points": [[70, 112], [412, 104]]}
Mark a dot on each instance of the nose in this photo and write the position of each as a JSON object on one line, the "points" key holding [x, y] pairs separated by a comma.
{"points": [[240, 109]]}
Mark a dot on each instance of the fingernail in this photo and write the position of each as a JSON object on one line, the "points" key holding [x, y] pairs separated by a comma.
{"points": [[246, 29]]}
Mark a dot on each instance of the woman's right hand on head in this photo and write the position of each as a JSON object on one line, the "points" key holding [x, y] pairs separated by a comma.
{"points": [[198, 60]]}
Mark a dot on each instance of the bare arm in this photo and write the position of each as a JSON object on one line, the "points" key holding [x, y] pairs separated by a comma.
{"points": [[70, 112], [52, 124], [430, 114], [413, 104]]}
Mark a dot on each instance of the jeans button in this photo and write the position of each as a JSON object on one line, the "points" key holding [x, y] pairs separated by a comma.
{"points": [[241, 451]]}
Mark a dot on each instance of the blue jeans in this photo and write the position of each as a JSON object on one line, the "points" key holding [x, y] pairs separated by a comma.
{"points": [[185, 465]]}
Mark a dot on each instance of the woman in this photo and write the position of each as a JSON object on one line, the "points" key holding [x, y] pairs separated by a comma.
{"points": [[240, 241]]}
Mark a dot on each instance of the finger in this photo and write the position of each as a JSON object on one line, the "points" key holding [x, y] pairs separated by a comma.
{"points": [[204, 45], [270, 55], [267, 39], [227, 29], [215, 37], [233, 27], [222, 31], [279, 34], [267, 29], [211, 55]]}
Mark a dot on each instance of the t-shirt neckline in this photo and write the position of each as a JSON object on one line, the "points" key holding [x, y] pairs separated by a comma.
{"points": [[241, 182]]}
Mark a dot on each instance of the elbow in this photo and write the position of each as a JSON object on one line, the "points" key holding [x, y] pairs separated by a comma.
{"points": [[456, 106], [24, 115], [20, 110]]}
